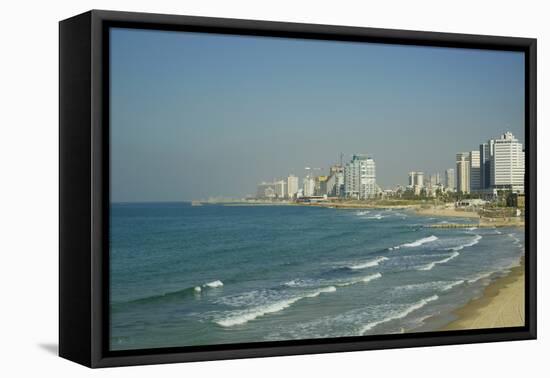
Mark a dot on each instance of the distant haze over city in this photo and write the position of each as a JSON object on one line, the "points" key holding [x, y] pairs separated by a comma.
{"points": [[196, 116]]}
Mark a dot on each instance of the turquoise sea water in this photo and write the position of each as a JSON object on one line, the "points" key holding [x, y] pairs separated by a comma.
{"points": [[183, 275]]}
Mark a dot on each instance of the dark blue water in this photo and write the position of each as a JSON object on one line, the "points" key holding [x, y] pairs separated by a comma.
{"points": [[183, 275]]}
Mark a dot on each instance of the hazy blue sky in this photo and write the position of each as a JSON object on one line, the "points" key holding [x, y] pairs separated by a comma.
{"points": [[196, 115]]}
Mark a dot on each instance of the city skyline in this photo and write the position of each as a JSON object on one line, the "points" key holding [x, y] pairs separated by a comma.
{"points": [[198, 116], [499, 164]]}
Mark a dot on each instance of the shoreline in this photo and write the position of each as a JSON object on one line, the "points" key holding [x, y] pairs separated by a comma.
{"points": [[502, 304], [418, 209]]}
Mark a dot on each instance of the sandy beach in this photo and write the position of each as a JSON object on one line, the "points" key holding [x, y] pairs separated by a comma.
{"points": [[447, 212], [502, 305]]}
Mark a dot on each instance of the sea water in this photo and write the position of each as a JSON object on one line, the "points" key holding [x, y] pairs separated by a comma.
{"points": [[183, 275]]}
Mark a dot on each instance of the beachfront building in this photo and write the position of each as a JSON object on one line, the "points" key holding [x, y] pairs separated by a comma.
{"points": [[335, 182], [508, 164], [475, 171], [360, 178], [450, 179], [308, 187], [463, 172], [485, 155], [291, 186], [271, 190], [320, 185], [416, 182]]}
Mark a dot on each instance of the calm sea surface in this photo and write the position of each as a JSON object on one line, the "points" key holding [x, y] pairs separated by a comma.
{"points": [[183, 275]]}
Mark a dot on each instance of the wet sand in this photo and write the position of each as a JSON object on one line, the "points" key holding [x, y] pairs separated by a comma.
{"points": [[502, 305]]}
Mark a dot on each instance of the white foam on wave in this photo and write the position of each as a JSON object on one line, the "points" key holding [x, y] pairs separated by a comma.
{"points": [[376, 216], [452, 284], [416, 243], [362, 213], [369, 264], [481, 276], [365, 279], [245, 316], [214, 284], [400, 315], [431, 265], [471, 243], [429, 286]]}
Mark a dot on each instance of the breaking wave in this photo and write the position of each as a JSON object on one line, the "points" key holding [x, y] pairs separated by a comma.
{"points": [[245, 316], [400, 315], [431, 265], [368, 264], [416, 243]]}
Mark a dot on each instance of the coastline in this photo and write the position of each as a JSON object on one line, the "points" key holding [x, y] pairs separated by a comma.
{"points": [[447, 212], [501, 305]]}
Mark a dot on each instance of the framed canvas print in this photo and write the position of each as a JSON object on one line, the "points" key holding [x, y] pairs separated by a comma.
{"points": [[234, 188]]}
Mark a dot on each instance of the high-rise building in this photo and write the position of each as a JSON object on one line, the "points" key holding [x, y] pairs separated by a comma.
{"points": [[437, 178], [416, 179], [434, 180], [485, 155], [463, 172], [360, 177], [320, 185], [475, 171], [335, 182], [291, 186], [450, 179], [270, 190], [309, 186], [508, 164], [416, 182]]}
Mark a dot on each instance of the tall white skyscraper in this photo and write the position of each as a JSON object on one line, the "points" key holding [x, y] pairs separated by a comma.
{"points": [[416, 179], [475, 171], [292, 186], [508, 164], [360, 177], [463, 172], [450, 179]]}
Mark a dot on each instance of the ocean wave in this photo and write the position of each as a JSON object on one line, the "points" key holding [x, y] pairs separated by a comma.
{"points": [[375, 216], [416, 243], [429, 286], [399, 315], [365, 279], [362, 213], [452, 284], [481, 276], [431, 265], [214, 284], [243, 317], [174, 295], [299, 283], [470, 243], [368, 264]]}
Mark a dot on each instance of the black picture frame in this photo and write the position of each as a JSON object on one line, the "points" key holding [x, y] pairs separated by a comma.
{"points": [[84, 187]]}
